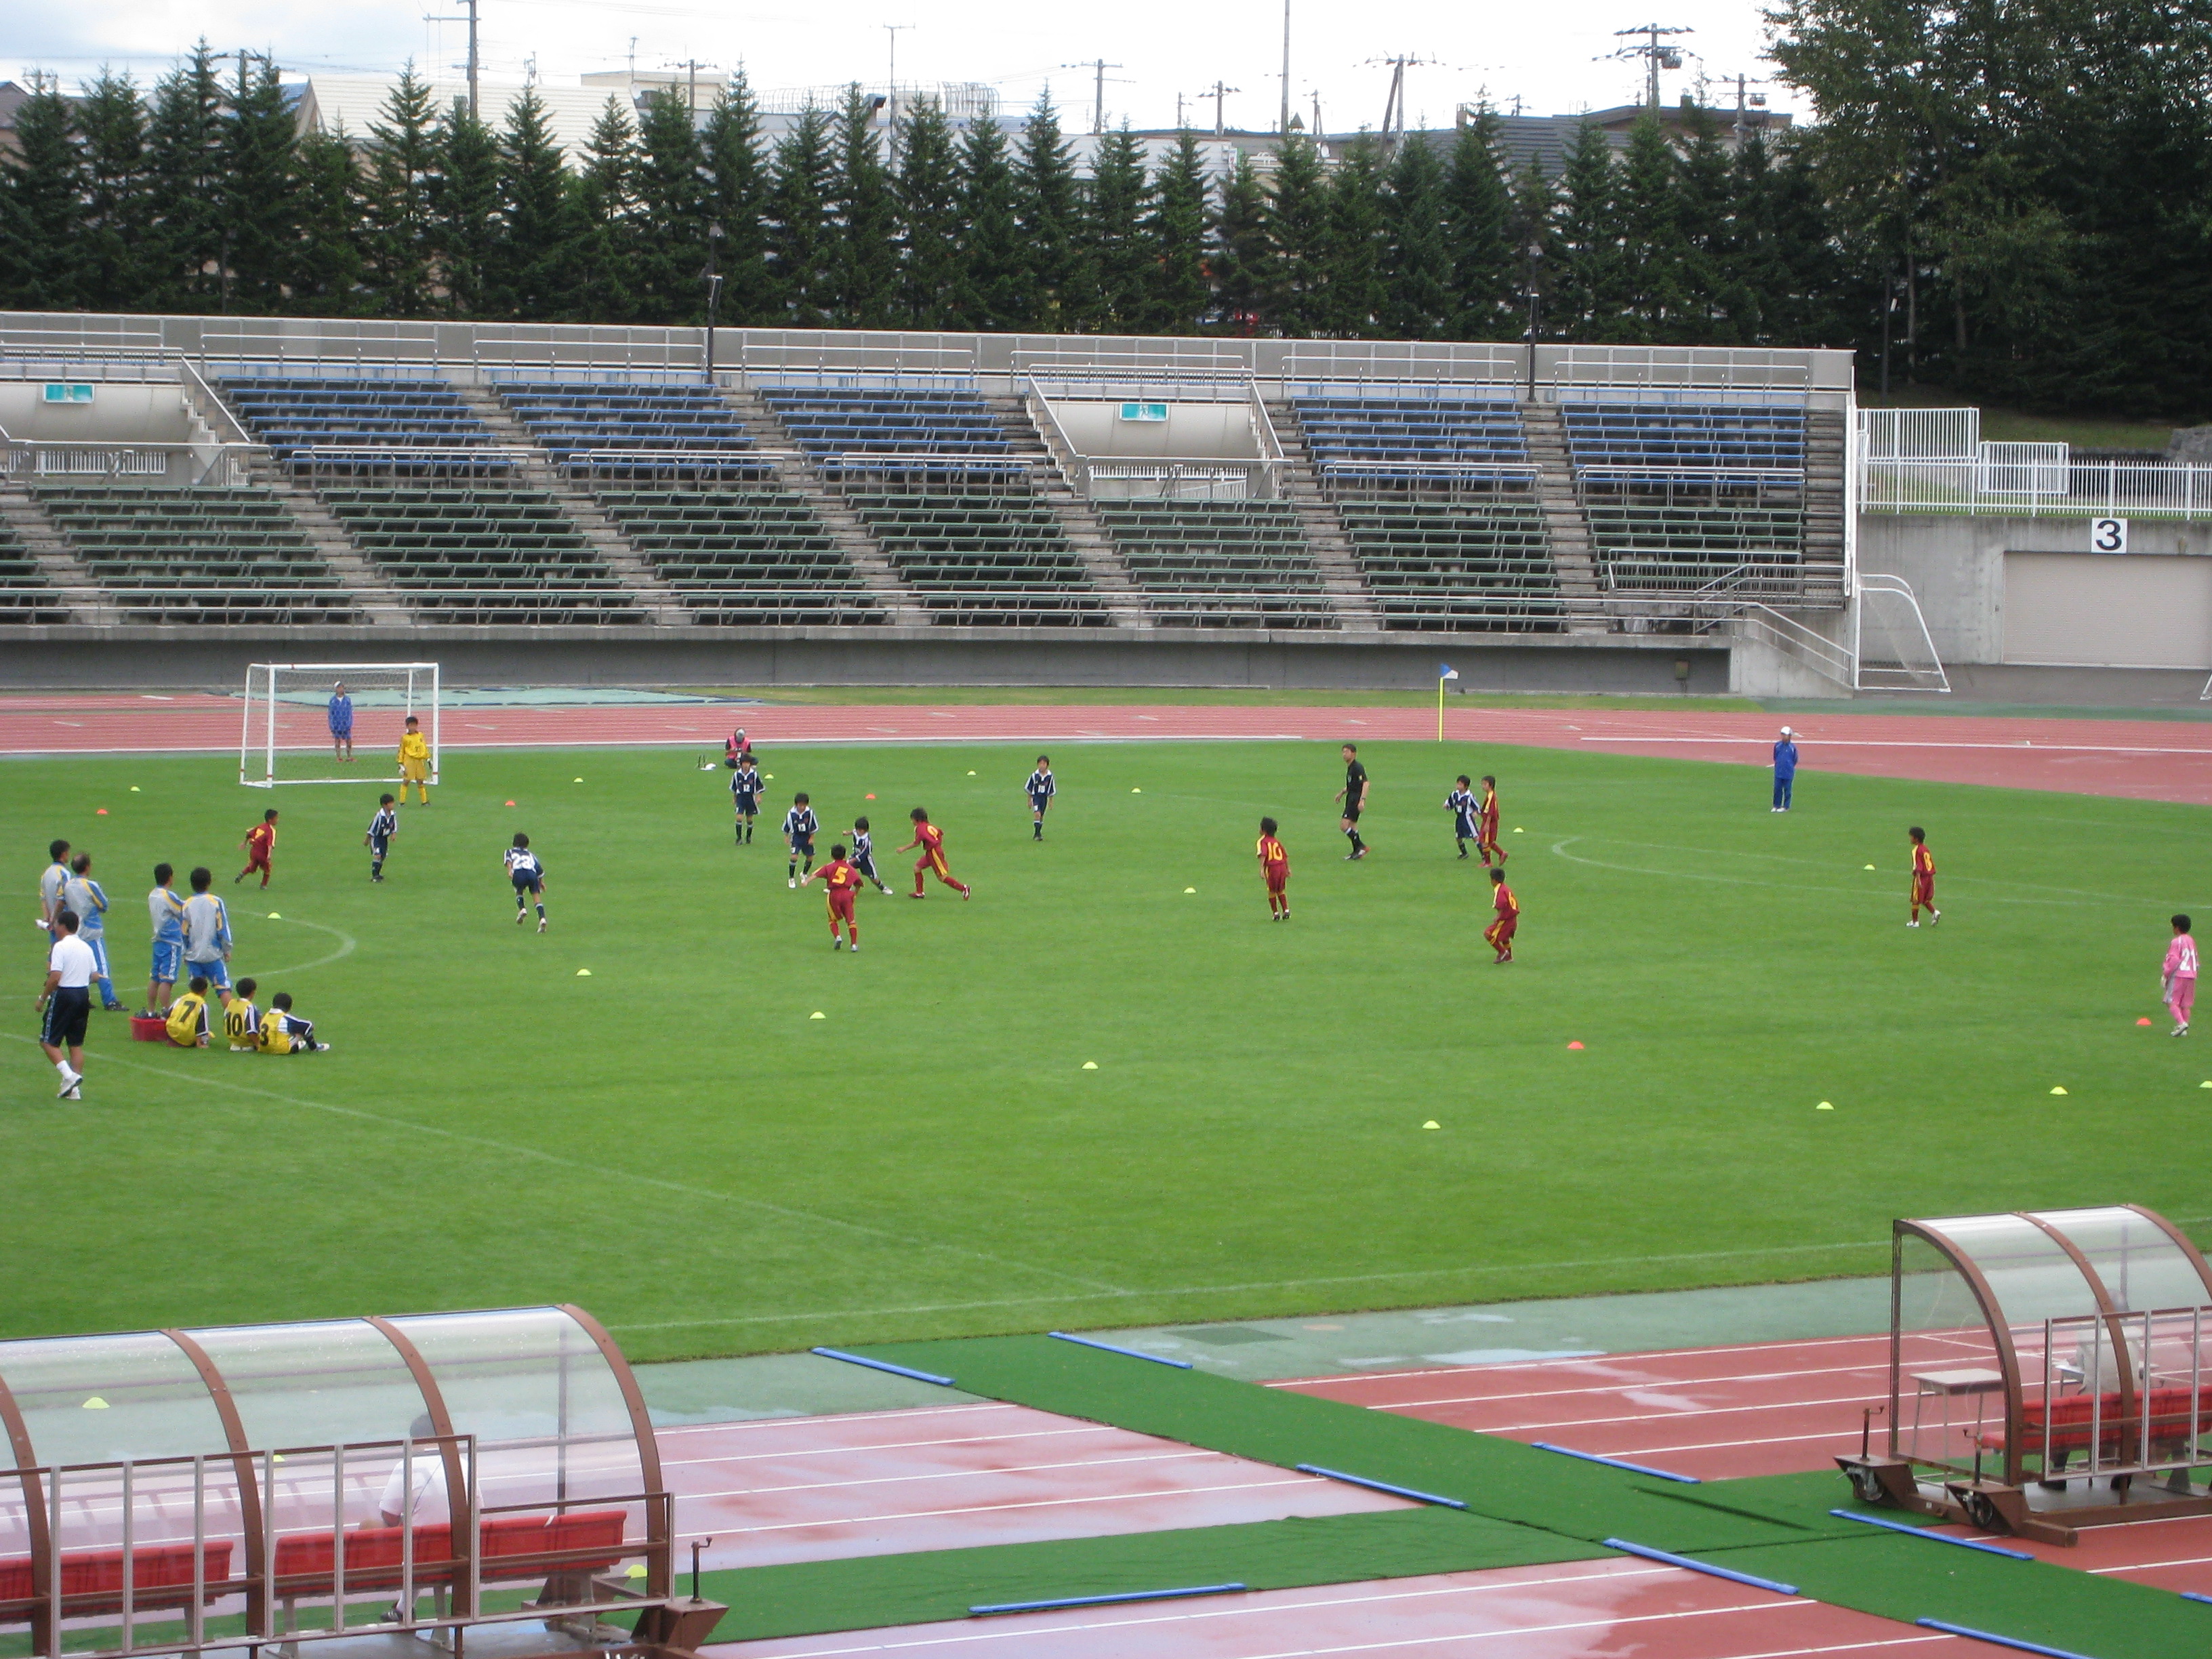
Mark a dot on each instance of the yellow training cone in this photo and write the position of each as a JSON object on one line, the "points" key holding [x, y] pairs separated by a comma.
{"points": [[95, 1404], [817, 1014], [1090, 1065], [971, 775], [579, 780], [134, 788], [1824, 1106], [583, 972], [636, 1570], [1432, 1124], [1190, 890], [1869, 866], [273, 916], [1136, 792], [2059, 1092]]}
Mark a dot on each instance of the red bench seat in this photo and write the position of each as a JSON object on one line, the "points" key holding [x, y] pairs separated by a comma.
{"points": [[587, 1541], [161, 1576], [2074, 1417]]}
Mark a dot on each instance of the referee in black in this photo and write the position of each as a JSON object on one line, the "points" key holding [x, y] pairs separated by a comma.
{"points": [[1354, 797]]}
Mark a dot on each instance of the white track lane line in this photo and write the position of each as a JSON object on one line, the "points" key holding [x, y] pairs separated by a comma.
{"points": [[1616, 1387], [1672, 1416], [996, 1509], [674, 1429], [870, 1448], [1590, 1359], [968, 1474]]}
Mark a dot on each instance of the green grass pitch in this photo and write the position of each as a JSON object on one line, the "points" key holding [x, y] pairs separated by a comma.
{"points": [[674, 1142]]}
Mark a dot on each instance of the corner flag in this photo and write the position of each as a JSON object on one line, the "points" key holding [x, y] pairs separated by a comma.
{"points": [[1444, 671]]}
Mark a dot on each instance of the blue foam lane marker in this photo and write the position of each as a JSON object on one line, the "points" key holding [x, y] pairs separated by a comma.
{"points": [[989, 1607], [1911, 1531], [1728, 1573], [2191, 1596], [1109, 1347], [1617, 1463], [1950, 1629], [883, 1365], [1380, 1485]]}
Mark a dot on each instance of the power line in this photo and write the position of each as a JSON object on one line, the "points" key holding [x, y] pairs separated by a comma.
{"points": [[1099, 66], [1656, 55]]}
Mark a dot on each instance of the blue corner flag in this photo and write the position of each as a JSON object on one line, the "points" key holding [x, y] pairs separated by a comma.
{"points": [[1446, 671]]}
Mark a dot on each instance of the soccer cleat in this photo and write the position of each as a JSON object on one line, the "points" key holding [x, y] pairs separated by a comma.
{"points": [[71, 1093], [967, 892], [792, 881], [917, 895], [520, 915], [1935, 916], [2179, 1031], [856, 947], [837, 944], [69, 1080], [541, 924], [1912, 924]]}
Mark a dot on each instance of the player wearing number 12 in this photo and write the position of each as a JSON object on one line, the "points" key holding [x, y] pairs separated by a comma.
{"points": [[841, 881], [930, 840]]}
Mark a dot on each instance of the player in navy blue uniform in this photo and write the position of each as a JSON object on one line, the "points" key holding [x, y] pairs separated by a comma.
{"points": [[864, 854], [528, 876], [1460, 804], [1040, 791], [381, 829], [744, 797], [799, 828]]}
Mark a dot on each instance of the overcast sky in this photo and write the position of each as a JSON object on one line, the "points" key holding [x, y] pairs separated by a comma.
{"points": [[1544, 54]]}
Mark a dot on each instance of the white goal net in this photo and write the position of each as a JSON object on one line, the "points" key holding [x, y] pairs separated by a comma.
{"points": [[334, 722]]}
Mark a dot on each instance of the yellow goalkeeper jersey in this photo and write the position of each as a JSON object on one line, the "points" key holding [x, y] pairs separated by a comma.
{"points": [[415, 747]]}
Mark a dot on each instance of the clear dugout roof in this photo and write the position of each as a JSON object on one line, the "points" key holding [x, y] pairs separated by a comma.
{"points": [[2035, 1266]]}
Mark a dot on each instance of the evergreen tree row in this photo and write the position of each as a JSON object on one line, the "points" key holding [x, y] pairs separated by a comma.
{"points": [[202, 196]]}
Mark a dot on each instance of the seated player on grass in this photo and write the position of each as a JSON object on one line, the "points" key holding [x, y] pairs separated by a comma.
{"points": [[188, 1016], [283, 1032], [241, 1020]]}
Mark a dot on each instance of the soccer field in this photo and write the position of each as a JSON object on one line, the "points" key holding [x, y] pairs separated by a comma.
{"points": [[673, 1140]]}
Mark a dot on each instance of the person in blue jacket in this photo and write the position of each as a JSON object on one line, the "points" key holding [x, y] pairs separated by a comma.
{"points": [[340, 719], [1785, 769]]}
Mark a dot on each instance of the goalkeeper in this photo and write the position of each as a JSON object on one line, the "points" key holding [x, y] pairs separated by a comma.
{"points": [[414, 762]]}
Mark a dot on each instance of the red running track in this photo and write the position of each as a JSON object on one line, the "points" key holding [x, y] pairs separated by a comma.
{"points": [[2146, 760]]}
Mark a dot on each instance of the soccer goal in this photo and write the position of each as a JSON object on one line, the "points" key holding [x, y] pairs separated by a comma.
{"points": [[292, 720]]}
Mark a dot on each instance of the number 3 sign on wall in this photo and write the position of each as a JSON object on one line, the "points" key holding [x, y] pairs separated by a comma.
{"points": [[2108, 535]]}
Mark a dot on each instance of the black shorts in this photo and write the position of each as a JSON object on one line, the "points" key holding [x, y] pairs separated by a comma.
{"points": [[1040, 802], [801, 847], [526, 883], [866, 866], [378, 845], [748, 807], [1352, 815], [68, 1012]]}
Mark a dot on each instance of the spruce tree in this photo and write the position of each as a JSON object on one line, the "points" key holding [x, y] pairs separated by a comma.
{"points": [[737, 200], [928, 191], [1297, 284], [1706, 208], [42, 196], [260, 221], [185, 133], [112, 269], [1243, 254], [1178, 294], [1582, 300], [403, 166], [865, 264], [1485, 260], [1047, 214], [799, 237], [1353, 293], [527, 274], [1418, 263], [326, 262], [988, 296], [602, 273], [671, 226], [1117, 259], [1652, 300], [466, 206]]}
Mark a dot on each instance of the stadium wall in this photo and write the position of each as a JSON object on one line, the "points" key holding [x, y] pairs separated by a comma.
{"points": [[2029, 593], [130, 659]]}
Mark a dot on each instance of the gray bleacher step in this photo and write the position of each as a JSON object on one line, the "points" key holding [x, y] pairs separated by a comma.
{"points": [[1326, 542], [381, 605], [877, 575], [57, 561], [1565, 527], [661, 603], [1826, 450], [1086, 537]]}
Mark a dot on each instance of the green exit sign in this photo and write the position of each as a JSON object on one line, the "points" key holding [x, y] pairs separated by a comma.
{"points": [[69, 394], [1144, 411]]}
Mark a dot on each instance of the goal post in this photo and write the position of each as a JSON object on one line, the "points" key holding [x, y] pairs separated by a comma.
{"points": [[287, 735]]}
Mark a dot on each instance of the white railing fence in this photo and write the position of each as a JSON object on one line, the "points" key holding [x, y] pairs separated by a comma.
{"points": [[1936, 461]]}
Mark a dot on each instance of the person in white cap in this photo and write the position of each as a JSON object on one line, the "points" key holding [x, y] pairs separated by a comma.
{"points": [[1785, 769]]}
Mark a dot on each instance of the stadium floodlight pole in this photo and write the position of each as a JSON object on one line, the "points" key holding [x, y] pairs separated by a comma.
{"points": [[890, 86]]}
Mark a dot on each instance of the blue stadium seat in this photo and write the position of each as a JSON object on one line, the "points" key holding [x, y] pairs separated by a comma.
{"points": [[635, 430], [1377, 442], [319, 418]]}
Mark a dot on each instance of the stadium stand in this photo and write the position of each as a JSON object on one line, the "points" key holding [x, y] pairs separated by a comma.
{"points": [[933, 477], [328, 420], [25, 596], [1437, 497], [1219, 564], [179, 556], [1686, 496], [622, 429], [477, 554], [742, 554]]}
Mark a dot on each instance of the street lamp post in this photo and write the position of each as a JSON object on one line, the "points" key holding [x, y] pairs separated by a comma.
{"points": [[713, 293], [1536, 257]]}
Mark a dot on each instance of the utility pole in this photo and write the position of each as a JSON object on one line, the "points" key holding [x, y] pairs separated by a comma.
{"points": [[1098, 66], [1394, 106], [1656, 55], [1315, 131], [691, 87], [1220, 92], [1286, 68], [471, 19], [890, 88]]}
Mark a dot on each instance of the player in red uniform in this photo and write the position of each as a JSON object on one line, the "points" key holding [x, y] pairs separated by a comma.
{"points": [[260, 843], [841, 882], [1275, 869], [930, 840], [1499, 933], [1923, 878], [1486, 823]]}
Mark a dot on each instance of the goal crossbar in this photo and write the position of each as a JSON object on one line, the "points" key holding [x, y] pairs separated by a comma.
{"points": [[288, 733]]}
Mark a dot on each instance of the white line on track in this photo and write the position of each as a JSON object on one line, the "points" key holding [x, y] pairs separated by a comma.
{"points": [[1621, 1387], [1671, 1416], [871, 1448], [1598, 1359], [739, 1424], [993, 1508], [974, 1474]]}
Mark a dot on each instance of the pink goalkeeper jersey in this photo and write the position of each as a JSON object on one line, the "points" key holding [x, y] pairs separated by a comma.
{"points": [[2181, 958]]}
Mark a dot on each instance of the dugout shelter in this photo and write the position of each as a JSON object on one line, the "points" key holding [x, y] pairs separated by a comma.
{"points": [[489, 1476], [2049, 1369]]}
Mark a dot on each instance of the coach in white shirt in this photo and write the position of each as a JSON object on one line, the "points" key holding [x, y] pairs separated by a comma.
{"points": [[67, 1002]]}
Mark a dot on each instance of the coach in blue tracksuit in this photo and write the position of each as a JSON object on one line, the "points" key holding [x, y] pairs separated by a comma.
{"points": [[1785, 769], [341, 719]]}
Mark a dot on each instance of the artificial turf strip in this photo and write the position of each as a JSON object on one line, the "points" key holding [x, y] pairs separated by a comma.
{"points": [[2059, 1607], [1494, 1476], [805, 1598]]}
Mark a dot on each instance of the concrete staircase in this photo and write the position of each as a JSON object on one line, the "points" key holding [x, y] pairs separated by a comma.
{"points": [[57, 561], [381, 605], [661, 603], [877, 575], [1102, 560], [1566, 529], [1331, 549], [1824, 509]]}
